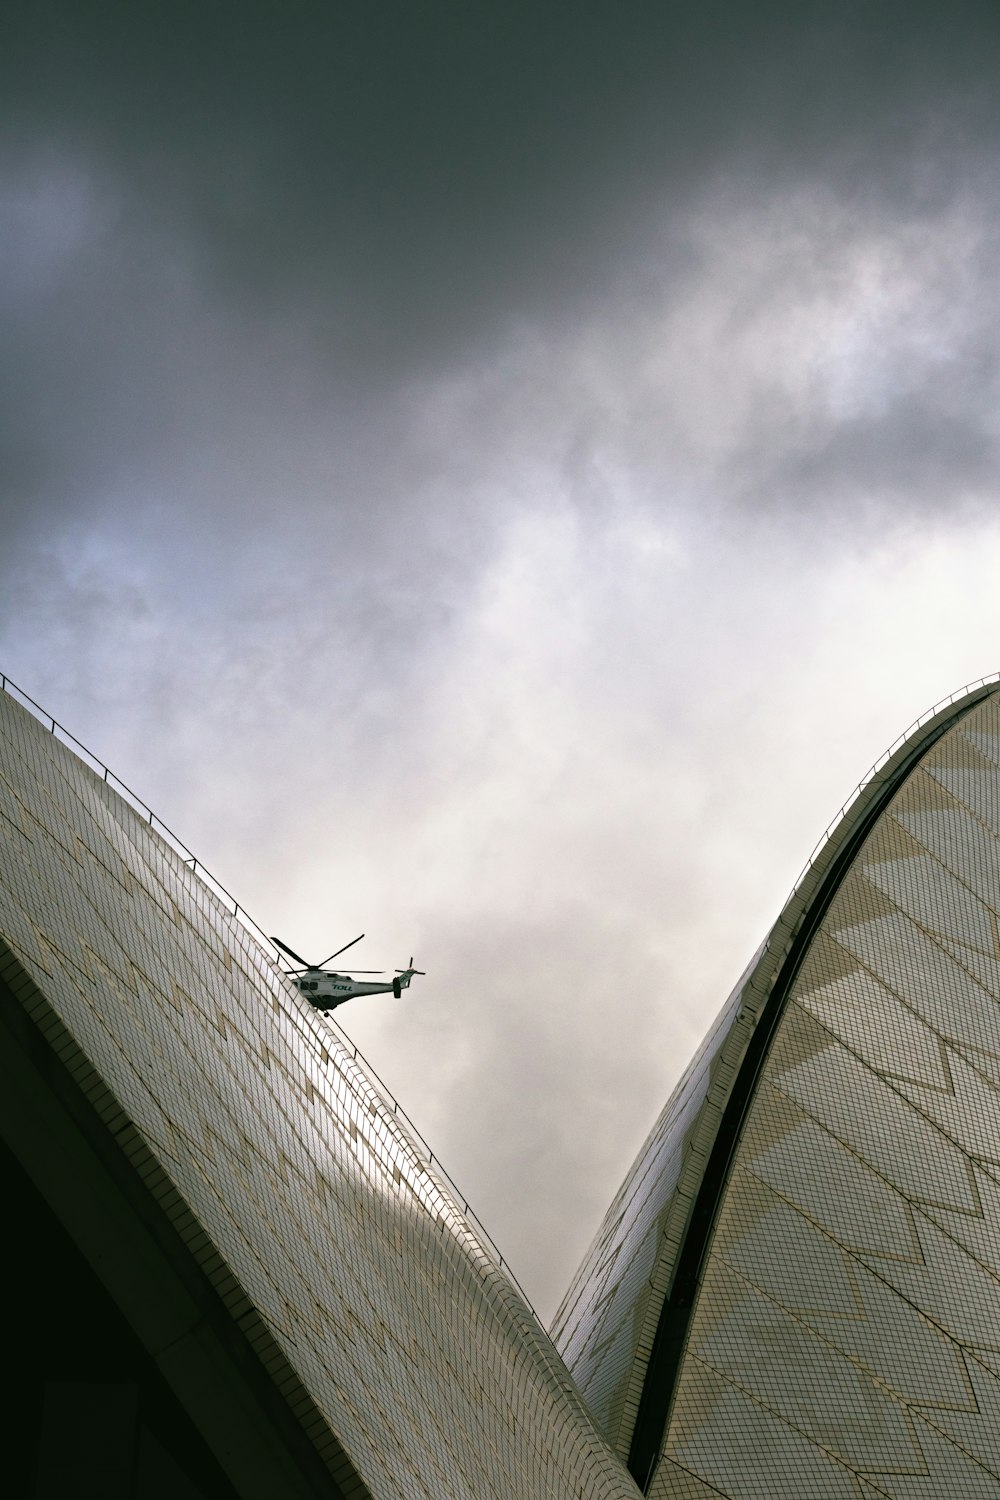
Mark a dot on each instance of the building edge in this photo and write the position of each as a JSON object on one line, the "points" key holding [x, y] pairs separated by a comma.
{"points": [[120, 1205], [432, 1167], [715, 1138], [130, 1223]]}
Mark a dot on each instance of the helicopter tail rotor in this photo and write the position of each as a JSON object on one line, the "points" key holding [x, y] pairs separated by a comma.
{"points": [[403, 977]]}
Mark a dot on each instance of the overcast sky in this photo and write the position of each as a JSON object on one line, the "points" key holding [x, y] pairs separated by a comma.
{"points": [[495, 476]]}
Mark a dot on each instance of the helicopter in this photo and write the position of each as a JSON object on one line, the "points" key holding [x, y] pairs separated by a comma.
{"points": [[325, 990]]}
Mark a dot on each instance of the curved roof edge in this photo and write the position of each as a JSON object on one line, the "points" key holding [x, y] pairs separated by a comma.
{"points": [[213, 1268], [123, 1213], [691, 1215], [432, 1165]]}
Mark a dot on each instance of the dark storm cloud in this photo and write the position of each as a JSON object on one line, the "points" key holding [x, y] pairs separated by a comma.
{"points": [[279, 221], [253, 248], [406, 174], [913, 454]]}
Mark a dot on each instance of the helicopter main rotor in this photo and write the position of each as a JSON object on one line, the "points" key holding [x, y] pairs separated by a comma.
{"points": [[308, 968]]}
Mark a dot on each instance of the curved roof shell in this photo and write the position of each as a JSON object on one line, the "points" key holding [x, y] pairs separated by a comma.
{"points": [[797, 1289], [277, 1238]]}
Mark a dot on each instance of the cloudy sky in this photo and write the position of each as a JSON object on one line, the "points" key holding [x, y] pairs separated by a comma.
{"points": [[495, 476]]}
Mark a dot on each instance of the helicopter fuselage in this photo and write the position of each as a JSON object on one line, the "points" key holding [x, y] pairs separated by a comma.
{"points": [[326, 990]]}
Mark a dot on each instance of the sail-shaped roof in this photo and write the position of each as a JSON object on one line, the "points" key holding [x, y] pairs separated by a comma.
{"points": [[797, 1289], [276, 1236]]}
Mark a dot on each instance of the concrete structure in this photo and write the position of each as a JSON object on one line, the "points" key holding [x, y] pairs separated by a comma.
{"points": [[235, 1271], [796, 1293]]}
